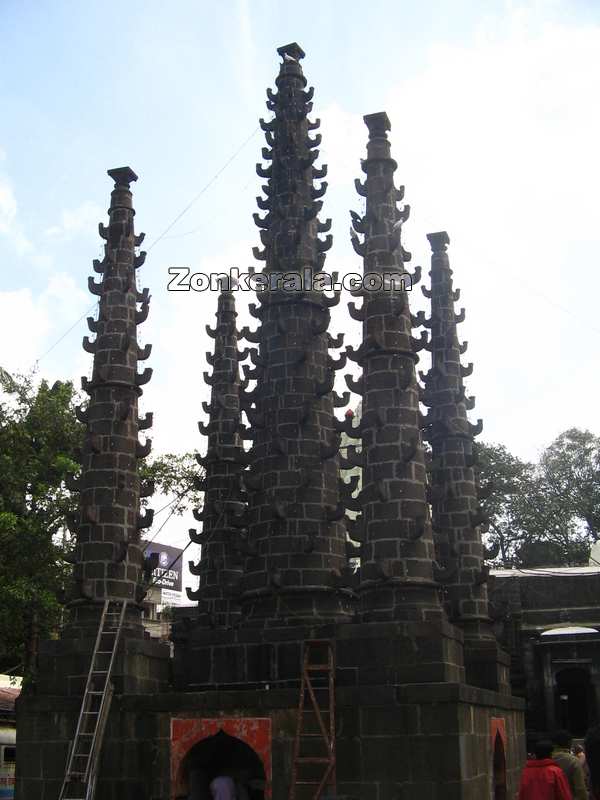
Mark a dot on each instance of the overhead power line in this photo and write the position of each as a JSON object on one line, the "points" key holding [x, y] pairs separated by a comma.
{"points": [[182, 213]]}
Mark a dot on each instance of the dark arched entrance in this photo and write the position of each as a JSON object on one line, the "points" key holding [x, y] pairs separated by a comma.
{"points": [[574, 700], [499, 772], [218, 755]]}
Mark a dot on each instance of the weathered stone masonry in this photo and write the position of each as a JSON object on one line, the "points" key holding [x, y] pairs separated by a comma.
{"points": [[275, 564]]}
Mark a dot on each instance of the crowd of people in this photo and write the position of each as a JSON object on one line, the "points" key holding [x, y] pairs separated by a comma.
{"points": [[559, 770]]}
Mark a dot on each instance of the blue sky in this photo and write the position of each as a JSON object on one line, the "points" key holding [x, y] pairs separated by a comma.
{"points": [[495, 129]]}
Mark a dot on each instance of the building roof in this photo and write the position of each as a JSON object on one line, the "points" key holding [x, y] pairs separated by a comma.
{"points": [[8, 695], [544, 571]]}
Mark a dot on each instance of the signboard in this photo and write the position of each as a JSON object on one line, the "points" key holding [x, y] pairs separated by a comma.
{"points": [[169, 598], [167, 574]]}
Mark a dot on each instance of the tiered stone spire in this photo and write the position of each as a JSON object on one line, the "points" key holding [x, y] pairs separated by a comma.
{"points": [[223, 546], [397, 553], [296, 543], [108, 556], [455, 507]]}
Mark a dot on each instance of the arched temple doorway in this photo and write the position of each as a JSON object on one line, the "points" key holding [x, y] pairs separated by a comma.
{"points": [[499, 768], [203, 748], [574, 700], [221, 754]]}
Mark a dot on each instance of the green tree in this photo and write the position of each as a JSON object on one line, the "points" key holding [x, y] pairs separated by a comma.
{"points": [[177, 475], [39, 438], [503, 481], [569, 472], [543, 514], [39, 442]]}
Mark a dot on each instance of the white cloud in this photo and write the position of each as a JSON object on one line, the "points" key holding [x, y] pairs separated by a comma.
{"points": [[81, 220], [495, 143], [10, 227], [244, 52], [176, 327], [30, 323]]}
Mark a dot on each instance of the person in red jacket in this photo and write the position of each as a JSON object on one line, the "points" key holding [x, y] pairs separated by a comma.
{"points": [[542, 778]]}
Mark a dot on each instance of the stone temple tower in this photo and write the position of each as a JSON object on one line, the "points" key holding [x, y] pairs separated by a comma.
{"points": [[108, 557], [415, 698], [220, 568], [402, 700], [457, 515]]}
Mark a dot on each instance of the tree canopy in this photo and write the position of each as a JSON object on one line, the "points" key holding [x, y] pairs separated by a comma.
{"points": [[39, 442], [545, 513], [39, 438]]}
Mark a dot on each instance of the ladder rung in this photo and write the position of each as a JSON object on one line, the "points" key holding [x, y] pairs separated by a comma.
{"points": [[313, 760], [109, 631], [324, 667], [306, 783]]}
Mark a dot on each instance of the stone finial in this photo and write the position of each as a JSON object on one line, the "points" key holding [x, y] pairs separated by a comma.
{"points": [[438, 241], [122, 176], [289, 231], [378, 124], [293, 50]]}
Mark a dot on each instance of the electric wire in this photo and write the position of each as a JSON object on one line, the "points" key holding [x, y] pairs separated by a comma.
{"points": [[153, 244]]}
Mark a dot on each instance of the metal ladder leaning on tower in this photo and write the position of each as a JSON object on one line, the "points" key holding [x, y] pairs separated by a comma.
{"points": [[84, 755]]}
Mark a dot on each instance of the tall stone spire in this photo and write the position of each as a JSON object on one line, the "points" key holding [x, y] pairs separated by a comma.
{"points": [[397, 553], [221, 539], [108, 556], [455, 508], [456, 513], [293, 572]]}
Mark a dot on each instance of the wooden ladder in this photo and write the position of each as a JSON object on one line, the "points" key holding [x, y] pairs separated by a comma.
{"points": [[84, 755], [314, 750]]}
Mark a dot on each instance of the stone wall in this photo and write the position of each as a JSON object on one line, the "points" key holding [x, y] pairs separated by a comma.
{"points": [[433, 741]]}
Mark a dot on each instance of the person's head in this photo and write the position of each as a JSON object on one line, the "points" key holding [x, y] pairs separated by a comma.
{"points": [[562, 738], [592, 756], [543, 749], [577, 750]]}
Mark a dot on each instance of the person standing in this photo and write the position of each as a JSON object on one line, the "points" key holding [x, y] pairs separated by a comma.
{"points": [[592, 757], [223, 788], [542, 778], [570, 764]]}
